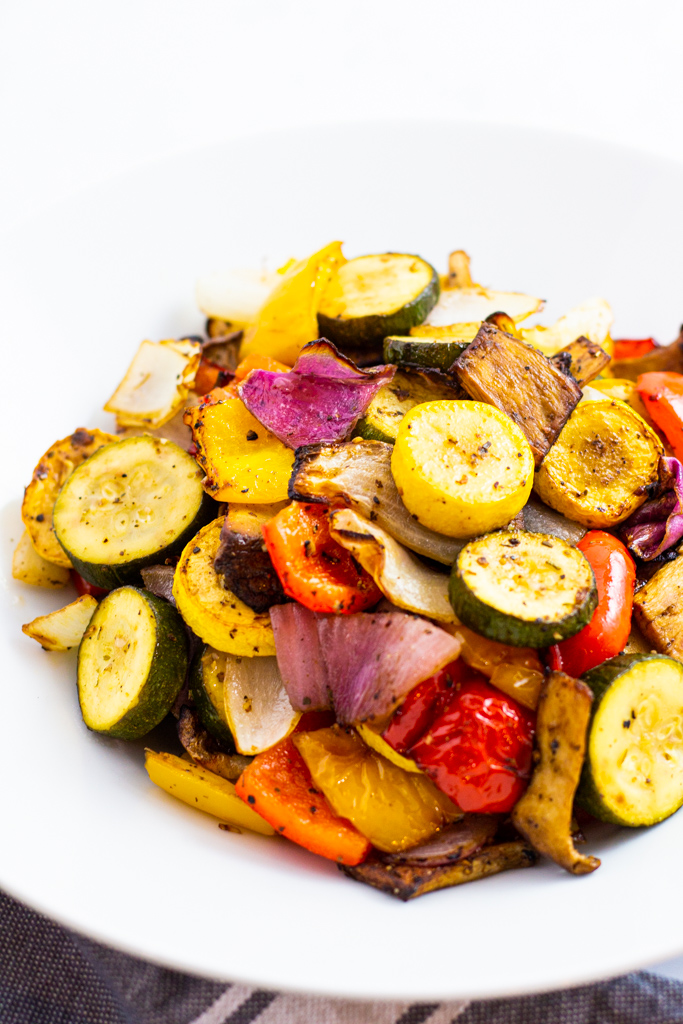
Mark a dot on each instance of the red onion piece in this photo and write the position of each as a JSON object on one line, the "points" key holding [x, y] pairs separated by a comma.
{"points": [[374, 659], [365, 663], [158, 579], [451, 844], [299, 657], [657, 525], [319, 400]]}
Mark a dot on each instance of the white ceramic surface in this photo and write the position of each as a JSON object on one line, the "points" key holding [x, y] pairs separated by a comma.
{"points": [[84, 836]]}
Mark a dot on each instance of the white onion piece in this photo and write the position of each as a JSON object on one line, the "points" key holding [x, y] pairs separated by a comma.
{"points": [[472, 305], [401, 577], [359, 472], [592, 319], [156, 383], [538, 518], [235, 295], [257, 707]]}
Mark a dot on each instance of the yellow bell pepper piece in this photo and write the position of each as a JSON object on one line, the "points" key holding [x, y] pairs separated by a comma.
{"points": [[392, 808], [203, 790], [288, 318], [516, 671], [242, 460]]}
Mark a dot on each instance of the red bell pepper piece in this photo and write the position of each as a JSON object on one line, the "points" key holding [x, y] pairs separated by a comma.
{"points": [[313, 569], [662, 393], [607, 632], [633, 348], [478, 751], [424, 704], [83, 587]]}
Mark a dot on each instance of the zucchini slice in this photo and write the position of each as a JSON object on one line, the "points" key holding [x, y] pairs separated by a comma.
{"points": [[438, 353], [633, 772], [207, 677], [393, 401], [524, 589], [214, 613], [133, 503], [131, 663], [372, 297]]}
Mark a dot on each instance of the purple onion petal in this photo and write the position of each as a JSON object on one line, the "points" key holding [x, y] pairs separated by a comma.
{"points": [[319, 400], [658, 524], [451, 844], [374, 659], [299, 656]]}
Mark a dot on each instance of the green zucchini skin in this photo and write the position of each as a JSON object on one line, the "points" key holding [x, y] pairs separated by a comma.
{"points": [[211, 720], [605, 681], [165, 676], [110, 575], [504, 625], [410, 387], [361, 337], [422, 352]]}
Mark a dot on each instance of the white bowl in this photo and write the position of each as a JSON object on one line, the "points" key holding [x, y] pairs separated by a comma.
{"points": [[87, 838]]}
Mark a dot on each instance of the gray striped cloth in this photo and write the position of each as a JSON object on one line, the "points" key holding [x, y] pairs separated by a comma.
{"points": [[49, 975]]}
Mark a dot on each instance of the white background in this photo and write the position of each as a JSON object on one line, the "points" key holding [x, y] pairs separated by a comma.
{"points": [[89, 89]]}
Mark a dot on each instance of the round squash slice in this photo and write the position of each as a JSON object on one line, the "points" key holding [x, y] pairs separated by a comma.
{"points": [[462, 468], [217, 615]]}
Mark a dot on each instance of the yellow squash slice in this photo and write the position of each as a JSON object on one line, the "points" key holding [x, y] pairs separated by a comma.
{"points": [[217, 615], [203, 790], [462, 468], [56, 465], [599, 469], [30, 567], [63, 629], [242, 460]]}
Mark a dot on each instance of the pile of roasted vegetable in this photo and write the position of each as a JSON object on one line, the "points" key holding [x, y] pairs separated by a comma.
{"points": [[405, 572]]}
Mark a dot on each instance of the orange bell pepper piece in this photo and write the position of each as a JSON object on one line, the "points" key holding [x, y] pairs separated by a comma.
{"points": [[256, 361], [278, 786]]}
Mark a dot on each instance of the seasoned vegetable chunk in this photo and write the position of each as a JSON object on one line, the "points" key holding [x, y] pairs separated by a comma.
{"points": [[242, 559], [601, 466], [520, 381], [58, 463], [544, 813], [583, 359], [462, 468], [406, 881], [658, 609]]}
